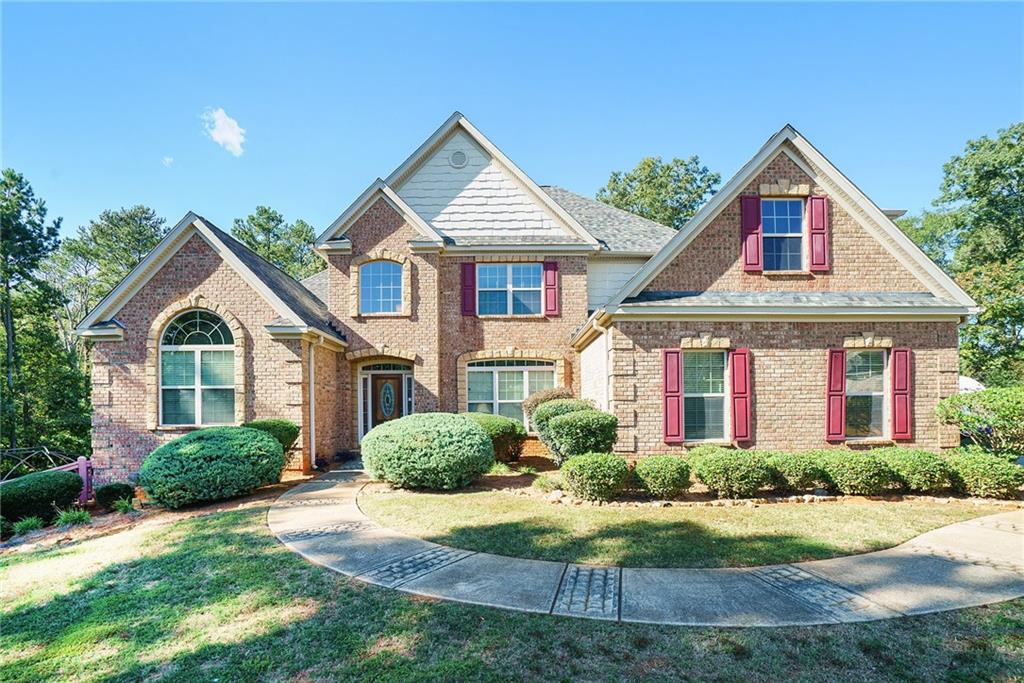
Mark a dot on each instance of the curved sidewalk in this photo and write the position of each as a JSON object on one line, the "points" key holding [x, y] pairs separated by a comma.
{"points": [[967, 564]]}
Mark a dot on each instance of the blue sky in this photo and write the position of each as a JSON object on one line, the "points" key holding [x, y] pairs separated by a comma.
{"points": [[97, 98]]}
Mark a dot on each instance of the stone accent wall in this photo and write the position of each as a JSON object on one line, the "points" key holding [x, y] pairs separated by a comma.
{"points": [[788, 362], [713, 260]]}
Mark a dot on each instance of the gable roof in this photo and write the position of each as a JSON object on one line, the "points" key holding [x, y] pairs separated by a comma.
{"points": [[295, 305], [841, 189], [618, 231], [378, 189]]}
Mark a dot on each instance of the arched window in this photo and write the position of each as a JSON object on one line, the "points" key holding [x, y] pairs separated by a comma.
{"points": [[197, 371], [499, 386], [380, 287]]}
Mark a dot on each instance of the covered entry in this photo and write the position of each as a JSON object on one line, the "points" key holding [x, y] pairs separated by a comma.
{"points": [[385, 392]]}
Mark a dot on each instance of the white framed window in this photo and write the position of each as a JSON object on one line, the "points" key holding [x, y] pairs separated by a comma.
{"points": [[380, 287], [500, 386], [782, 233], [197, 371], [704, 396], [509, 288], [865, 393]]}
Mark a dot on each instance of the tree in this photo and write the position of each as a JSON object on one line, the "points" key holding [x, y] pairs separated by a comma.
{"points": [[992, 343], [25, 239], [667, 193], [287, 245], [934, 232]]}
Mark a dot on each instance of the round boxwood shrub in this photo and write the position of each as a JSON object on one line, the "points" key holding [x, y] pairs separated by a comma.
{"points": [[39, 494], [543, 396], [211, 464], [583, 431], [794, 471], [549, 410], [285, 431], [733, 473], [507, 435], [856, 472], [914, 469], [595, 476], [108, 493], [985, 475], [428, 451], [663, 476]]}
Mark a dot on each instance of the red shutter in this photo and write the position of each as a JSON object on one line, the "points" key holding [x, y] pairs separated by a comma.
{"points": [[552, 298], [750, 230], [821, 260], [469, 289], [739, 364], [835, 396], [672, 395], [902, 398]]}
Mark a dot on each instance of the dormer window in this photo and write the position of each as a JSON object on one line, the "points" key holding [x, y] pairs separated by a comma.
{"points": [[783, 229]]}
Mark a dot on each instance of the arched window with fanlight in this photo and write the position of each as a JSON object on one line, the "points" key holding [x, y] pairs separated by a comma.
{"points": [[197, 371]]}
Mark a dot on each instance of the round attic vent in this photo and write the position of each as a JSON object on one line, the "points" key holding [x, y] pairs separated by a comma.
{"points": [[458, 159]]}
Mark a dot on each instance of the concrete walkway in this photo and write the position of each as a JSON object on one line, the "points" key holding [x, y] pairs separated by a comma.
{"points": [[962, 565]]}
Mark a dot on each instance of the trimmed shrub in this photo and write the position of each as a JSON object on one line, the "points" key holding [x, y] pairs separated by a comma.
{"points": [[914, 469], [285, 431], [663, 476], [24, 526], [985, 475], [39, 494], [733, 473], [692, 455], [992, 418], [73, 517], [428, 450], [108, 493], [543, 396], [507, 435], [856, 472], [211, 464], [583, 431], [795, 471], [549, 410], [595, 476]]}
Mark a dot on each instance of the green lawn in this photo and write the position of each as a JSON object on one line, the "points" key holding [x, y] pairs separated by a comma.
{"points": [[500, 522], [218, 598]]}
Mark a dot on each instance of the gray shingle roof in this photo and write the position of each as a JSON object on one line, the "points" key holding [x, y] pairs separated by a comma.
{"points": [[318, 284], [619, 230], [781, 299]]}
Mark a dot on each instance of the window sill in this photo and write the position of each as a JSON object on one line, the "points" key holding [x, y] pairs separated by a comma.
{"points": [[707, 442], [788, 273], [523, 316], [870, 441], [383, 315], [189, 428]]}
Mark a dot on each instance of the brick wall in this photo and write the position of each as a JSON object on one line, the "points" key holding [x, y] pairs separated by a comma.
{"points": [[788, 376]]}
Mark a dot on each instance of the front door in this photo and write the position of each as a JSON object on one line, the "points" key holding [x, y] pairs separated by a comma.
{"points": [[386, 397]]}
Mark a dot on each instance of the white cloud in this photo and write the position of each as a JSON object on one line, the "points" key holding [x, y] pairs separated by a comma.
{"points": [[224, 130], [167, 161]]}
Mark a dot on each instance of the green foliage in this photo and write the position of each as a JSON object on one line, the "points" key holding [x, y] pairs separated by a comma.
{"points": [[542, 396], [856, 472], [992, 343], [663, 476], [123, 505], [595, 476], [547, 483], [914, 469], [73, 517], [696, 453], [24, 526], [547, 411], [286, 245], [665, 192], [732, 473], [285, 431], [211, 464], [108, 494], [985, 475], [933, 231], [507, 435], [793, 472], [39, 493], [582, 431], [428, 450], [992, 418]]}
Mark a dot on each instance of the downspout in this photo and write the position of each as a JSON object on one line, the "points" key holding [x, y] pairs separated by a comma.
{"points": [[607, 362]]}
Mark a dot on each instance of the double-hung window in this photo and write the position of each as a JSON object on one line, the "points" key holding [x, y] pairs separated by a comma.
{"points": [[704, 395], [782, 222], [500, 386], [865, 393], [197, 371], [509, 288], [380, 287]]}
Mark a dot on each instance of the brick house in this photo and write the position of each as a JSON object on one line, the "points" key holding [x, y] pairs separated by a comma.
{"points": [[790, 312]]}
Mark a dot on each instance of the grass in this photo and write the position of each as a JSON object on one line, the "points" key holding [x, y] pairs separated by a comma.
{"points": [[216, 597], [523, 526]]}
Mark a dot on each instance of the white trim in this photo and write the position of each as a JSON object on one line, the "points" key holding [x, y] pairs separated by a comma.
{"points": [[305, 332], [503, 249], [878, 224], [886, 407], [772, 312], [196, 388], [377, 189], [312, 406], [537, 365], [509, 290], [726, 396], [408, 406]]}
